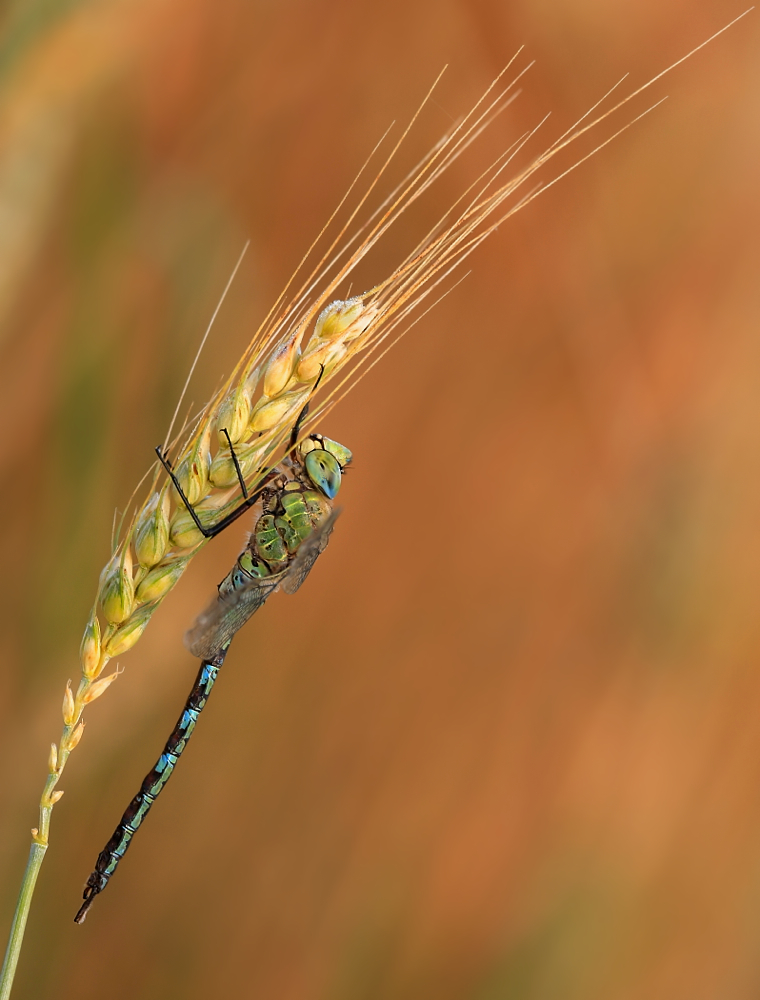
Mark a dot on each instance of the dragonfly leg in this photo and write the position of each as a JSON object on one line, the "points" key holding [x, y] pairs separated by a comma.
{"points": [[237, 464], [162, 459], [302, 415], [248, 501], [213, 530]]}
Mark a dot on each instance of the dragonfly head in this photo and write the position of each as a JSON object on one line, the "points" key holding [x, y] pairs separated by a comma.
{"points": [[324, 463]]}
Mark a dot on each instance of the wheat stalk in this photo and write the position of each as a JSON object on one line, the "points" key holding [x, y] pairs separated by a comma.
{"points": [[308, 334]]}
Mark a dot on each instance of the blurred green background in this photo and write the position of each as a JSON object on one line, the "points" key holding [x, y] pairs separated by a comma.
{"points": [[505, 743]]}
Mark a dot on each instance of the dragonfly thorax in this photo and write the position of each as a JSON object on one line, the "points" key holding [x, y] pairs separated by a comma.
{"points": [[297, 501]]}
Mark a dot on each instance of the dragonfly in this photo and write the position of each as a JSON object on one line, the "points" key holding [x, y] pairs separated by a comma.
{"points": [[291, 532]]}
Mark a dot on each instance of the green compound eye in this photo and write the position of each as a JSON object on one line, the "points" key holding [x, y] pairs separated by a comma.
{"points": [[323, 469], [339, 451]]}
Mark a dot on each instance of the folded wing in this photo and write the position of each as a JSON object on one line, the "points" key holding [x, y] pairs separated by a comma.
{"points": [[215, 627]]}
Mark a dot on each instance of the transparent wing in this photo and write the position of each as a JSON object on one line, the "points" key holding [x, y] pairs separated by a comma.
{"points": [[216, 626]]}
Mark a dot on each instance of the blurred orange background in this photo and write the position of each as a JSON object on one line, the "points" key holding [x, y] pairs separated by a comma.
{"points": [[505, 743]]}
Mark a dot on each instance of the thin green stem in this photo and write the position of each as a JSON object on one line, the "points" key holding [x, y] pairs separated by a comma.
{"points": [[36, 854], [56, 763], [89, 689]]}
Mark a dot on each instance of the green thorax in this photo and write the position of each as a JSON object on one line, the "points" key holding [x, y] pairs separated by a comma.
{"points": [[299, 499]]}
